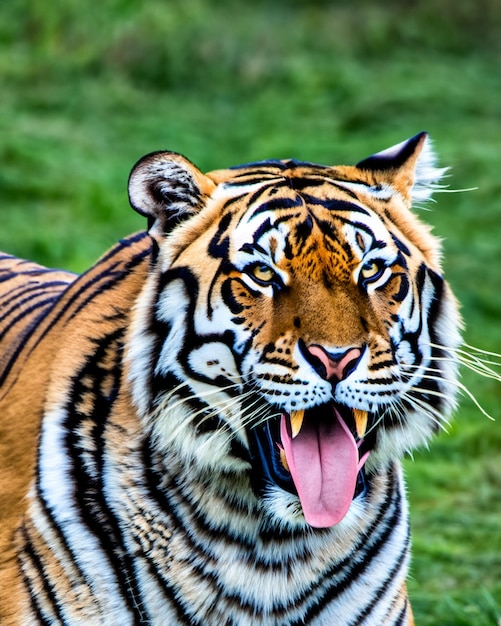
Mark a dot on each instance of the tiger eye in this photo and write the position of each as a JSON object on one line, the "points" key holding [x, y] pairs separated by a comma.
{"points": [[263, 273], [370, 270]]}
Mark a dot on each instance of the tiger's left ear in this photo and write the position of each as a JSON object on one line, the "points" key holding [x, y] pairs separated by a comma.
{"points": [[168, 189], [409, 167]]}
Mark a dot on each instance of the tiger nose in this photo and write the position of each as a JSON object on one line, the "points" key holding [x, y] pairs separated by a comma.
{"points": [[333, 366]]}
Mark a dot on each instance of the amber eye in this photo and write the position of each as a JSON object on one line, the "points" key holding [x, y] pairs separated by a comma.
{"points": [[372, 270], [263, 274]]}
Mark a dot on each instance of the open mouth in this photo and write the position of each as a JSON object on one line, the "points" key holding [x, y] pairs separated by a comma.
{"points": [[318, 454]]}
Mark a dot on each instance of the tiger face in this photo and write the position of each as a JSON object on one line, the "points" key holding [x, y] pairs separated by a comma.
{"points": [[295, 325]]}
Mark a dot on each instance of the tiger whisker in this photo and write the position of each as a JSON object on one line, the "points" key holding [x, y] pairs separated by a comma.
{"points": [[461, 388], [471, 361], [427, 370], [479, 366], [434, 415], [458, 384], [248, 420], [423, 408], [466, 345], [437, 415], [194, 396], [209, 411], [248, 417], [465, 357], [387, 411], [255, 410]]}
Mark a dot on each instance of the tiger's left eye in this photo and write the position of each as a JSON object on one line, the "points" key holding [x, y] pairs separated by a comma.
{"points": [[263, 274], [372, 270]]}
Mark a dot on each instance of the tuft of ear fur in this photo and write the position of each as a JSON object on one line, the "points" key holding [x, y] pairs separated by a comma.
{"points": [[409, 167], [167, 188]]}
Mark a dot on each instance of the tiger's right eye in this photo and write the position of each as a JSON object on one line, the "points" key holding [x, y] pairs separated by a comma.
{"points": [[371, 271], [263, 274]]}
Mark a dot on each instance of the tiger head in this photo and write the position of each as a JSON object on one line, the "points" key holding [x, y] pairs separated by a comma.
{"points": [[295, 330]]}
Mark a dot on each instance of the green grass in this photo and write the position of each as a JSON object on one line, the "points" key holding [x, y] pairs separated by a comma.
{"points": [[86, 90]]}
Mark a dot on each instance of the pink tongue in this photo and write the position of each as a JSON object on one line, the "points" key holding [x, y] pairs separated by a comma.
{"points": [[324, 464]]}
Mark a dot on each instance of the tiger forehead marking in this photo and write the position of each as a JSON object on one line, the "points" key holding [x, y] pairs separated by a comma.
{"points": [[225, 399]]}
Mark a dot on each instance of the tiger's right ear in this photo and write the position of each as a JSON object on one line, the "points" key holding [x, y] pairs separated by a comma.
{"points": [[167, 188]]}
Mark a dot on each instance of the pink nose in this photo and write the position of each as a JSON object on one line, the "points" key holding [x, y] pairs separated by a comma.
{"points": [[335, 368]]}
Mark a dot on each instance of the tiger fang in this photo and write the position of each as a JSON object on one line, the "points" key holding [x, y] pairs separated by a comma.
{"points": [[361, 418], [296, 419]]}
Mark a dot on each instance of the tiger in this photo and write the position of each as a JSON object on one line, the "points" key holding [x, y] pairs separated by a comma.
{"points": [[207, 426]]}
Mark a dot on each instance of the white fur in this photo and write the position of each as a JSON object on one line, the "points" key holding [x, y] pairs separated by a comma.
{"points": [[426, 174]]}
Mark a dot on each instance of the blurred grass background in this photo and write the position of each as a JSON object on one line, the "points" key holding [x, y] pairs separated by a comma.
{"points": [[86, 89]]}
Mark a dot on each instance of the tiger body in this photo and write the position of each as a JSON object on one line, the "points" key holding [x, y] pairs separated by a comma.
{"points": [[206, 427]]}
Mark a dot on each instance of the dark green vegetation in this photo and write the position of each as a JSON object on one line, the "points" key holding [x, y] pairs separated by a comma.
{"points": [[87, 88]]}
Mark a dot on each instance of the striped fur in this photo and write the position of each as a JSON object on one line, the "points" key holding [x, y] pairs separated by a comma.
{"points": [[166, 378]]}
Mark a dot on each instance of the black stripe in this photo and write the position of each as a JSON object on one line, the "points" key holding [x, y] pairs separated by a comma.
{"points": [[277, 204], [334, 581], [334, 204], [30, 553], [192, 339], [157, 491], [363, 615], [403, 289], [274, 184], [26, 311], [257, 168], [402, 616], [219, 246], [400, 245], [84, 285], [24, 335], [30, 285], [89, 492]]}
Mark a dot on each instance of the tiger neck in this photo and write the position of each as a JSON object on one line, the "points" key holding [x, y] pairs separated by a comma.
{"points": [[217, 521]]}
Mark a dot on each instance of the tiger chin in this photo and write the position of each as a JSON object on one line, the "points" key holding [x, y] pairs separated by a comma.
{"points": [[206, 427]]}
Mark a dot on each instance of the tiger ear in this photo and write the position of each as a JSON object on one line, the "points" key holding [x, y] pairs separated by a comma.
{"points": [[409, 167], [167, 188]]}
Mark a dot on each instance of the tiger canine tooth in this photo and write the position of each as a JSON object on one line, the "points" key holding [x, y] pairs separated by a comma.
{"points": [[360, 421], [283, 459], [297, 418]]}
